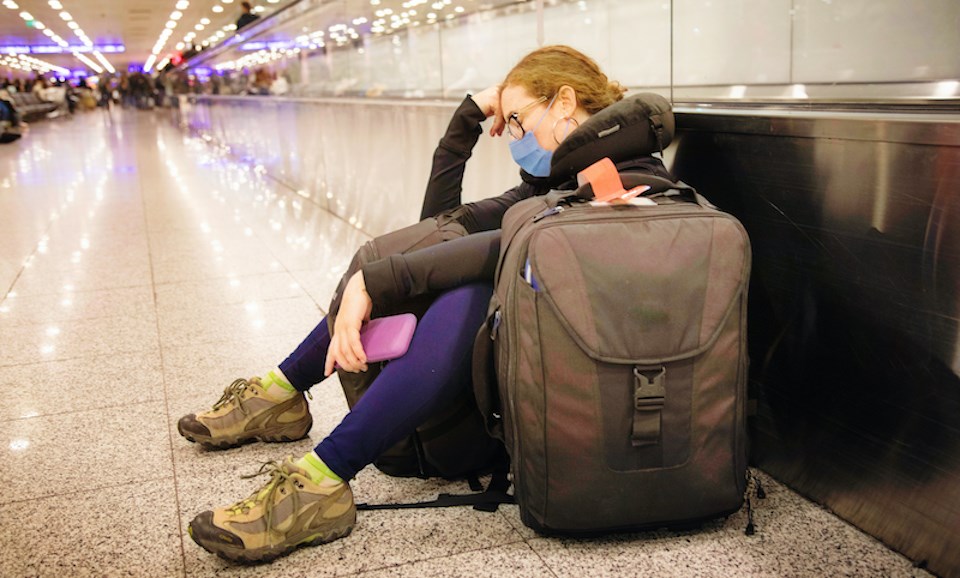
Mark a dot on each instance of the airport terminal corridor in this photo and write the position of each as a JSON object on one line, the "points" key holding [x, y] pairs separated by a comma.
{"points": [[142, 269]]}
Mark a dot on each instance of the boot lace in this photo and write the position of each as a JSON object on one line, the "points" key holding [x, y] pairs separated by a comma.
{"points": [[235, 390], [232, 392], [280, 477]]}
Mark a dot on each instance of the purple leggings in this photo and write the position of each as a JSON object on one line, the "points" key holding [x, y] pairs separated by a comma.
{"points": [[435, 370]]}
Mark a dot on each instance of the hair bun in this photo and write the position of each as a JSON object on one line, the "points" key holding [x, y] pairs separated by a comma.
{"points": [[616, 89]]}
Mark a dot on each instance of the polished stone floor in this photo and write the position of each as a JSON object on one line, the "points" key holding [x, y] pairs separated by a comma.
{"points": [[141, 272]]}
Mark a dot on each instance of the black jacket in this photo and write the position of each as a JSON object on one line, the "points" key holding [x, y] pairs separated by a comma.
{"points": [[474, 257], [246, 19]]}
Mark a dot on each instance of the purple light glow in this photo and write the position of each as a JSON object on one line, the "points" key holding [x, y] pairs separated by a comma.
{"points": [[56, 49]]}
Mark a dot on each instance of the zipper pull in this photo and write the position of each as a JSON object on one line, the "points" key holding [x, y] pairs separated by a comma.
{"points": [[496, 325], [548, 212]]}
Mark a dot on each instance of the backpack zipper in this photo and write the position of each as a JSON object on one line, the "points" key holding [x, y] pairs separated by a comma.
{"points": [[547, 213]]}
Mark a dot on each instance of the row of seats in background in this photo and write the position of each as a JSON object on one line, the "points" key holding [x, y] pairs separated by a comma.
{"points": [[17, 108]]}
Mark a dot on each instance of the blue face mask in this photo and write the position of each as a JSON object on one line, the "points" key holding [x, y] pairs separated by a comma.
{"points": [[528, 153]]}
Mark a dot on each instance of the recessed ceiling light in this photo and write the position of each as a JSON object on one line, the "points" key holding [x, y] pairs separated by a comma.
{"points": [[218, 8], [66, 16], [204, 21]]}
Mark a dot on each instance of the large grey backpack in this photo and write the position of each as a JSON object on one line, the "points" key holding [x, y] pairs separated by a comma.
{"points": [[618, 373]]}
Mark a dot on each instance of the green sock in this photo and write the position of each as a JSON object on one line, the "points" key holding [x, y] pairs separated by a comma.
{"points": [[283, 389], [317, 470]]}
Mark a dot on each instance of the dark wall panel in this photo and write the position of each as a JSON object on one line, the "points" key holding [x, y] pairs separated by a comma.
{"points": [[855, 310]]}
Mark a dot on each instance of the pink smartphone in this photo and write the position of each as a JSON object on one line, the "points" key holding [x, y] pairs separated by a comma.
{"points": [[387, 337]]}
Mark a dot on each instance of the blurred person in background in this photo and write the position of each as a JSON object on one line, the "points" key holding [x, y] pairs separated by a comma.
{"points": [[248, 17]]}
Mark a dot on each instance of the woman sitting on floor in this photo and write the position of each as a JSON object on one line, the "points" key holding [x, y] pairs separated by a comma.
{"points": [[548, 96]]}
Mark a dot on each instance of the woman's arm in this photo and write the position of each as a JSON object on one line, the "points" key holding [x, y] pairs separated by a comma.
{"points": [[399, 277], [345, 347], [433, 269], [455, 148]]}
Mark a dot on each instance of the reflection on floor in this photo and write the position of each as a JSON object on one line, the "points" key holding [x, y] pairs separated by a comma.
{"points": [[140, 272]]}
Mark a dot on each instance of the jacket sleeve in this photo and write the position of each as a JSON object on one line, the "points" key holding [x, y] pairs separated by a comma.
{"points": [[450, 159], [487, 214], [432, 269]]}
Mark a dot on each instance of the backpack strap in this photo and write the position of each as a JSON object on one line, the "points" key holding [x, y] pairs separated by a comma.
{"points": [[485, 388], [486, 501], [661, 187], [602, 181]]}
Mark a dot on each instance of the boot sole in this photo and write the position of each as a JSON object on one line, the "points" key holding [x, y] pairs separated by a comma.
{"points": [[270, 553], [287, 434]]}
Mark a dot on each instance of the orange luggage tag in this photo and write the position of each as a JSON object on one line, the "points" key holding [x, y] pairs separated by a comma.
{"points": [[604, 180]]}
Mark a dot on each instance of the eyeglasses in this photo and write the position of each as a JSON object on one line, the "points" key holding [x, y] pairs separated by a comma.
{"points": [[514, 127]]}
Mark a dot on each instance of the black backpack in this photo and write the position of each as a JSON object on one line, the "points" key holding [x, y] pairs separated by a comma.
{"points": [[453, 443]]}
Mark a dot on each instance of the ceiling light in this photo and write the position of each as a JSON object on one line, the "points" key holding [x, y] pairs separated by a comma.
{"points": [[38, 25], [176, 15], [198, 27], [204, 21], [171, 24], [183, 5], [180, 46], [48, 32], [26, 16], [55, 5], [66, 16], [218, 8], [72, 25], [88, 62], [104, 62], [10, 4]]}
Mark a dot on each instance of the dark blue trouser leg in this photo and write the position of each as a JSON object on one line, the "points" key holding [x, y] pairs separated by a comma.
{"points": [[304, 367], [409, 390]]}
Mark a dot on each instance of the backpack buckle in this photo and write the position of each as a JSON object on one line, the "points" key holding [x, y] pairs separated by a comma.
{"points": [[648, 398]]}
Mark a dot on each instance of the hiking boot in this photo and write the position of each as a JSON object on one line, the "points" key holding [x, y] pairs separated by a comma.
{"points": [[290, 511], [246, 414]]}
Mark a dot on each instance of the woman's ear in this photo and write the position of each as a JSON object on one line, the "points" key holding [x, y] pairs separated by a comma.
{"points": [[567, 99]]}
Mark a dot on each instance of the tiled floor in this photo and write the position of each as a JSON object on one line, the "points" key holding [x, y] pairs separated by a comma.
{"points": [[139, 274]]}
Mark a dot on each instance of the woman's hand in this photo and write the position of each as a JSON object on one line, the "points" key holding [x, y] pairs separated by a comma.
{"points": [[488, 100], [345, 347]]}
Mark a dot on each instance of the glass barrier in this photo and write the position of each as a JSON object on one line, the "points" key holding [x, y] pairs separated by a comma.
{"points": [[703, 52]]}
